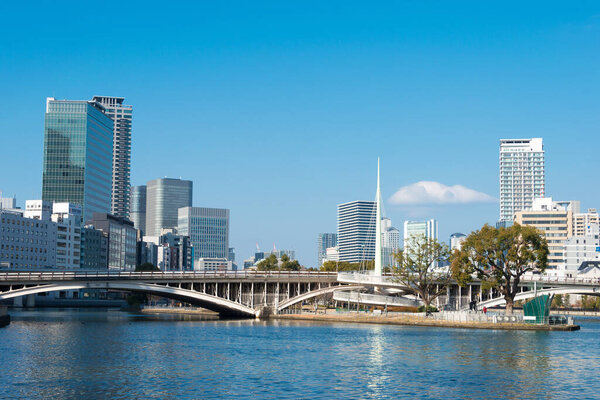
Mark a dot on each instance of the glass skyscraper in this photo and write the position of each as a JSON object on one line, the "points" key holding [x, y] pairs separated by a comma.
{"points": [[164, 197], [324, 241], [121, 168], [356, 231], [208, 229], [137, 208], [78, 148]]}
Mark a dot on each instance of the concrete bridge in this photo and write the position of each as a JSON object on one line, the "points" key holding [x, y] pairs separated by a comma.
{"points": [[255, 293], [235, 293]]}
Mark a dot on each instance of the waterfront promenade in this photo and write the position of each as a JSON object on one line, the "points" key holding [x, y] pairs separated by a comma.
{"points": [[435, 320]]}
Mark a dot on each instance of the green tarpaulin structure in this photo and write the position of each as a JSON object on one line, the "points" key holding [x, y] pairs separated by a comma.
{"points": [[537, 310]]}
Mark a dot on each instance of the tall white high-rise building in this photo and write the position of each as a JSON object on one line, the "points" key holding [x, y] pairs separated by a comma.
{"points": [[522, 177], [164, 198], [390, 241], [356, 231], [428, 228]]}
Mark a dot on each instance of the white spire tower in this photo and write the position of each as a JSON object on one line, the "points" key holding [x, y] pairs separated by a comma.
{"points": [[378, 249]]}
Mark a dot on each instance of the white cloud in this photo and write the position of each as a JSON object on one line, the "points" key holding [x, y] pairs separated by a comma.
{"points": [[429, 192]]}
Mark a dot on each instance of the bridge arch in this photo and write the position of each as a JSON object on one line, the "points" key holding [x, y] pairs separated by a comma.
{"points": [[223, 306], [593, 291], [315, 293]]}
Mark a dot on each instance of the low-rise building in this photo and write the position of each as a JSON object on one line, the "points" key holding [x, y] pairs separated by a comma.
{"points": [[67, 217], [26, 243], [555, 220], [579, 249], [213, 264]]}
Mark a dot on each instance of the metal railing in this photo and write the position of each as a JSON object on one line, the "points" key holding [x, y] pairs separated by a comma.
{"points": [[388, 279], [157, 275], [497, 318]]}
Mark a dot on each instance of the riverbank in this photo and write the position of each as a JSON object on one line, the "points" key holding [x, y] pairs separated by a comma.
{"points": [[410, 320]]}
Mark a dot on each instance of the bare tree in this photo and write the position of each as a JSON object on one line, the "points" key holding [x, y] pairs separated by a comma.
{"points": [[421, 268]]}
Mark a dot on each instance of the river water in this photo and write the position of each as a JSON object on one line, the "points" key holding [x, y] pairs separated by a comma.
{"points": [[78, 353]]}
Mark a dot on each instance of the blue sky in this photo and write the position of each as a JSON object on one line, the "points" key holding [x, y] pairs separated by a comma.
{"points": [[279, 110]]}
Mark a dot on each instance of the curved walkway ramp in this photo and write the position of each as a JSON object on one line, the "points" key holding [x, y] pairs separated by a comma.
{"points": [[376, 299], [315, 293]]}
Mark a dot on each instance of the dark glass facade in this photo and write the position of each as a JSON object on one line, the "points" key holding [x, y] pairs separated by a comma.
{"points": [[78, 146]]}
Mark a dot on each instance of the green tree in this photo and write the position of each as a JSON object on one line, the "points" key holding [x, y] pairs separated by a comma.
{"points": [[146, 267], [418, 270], [289, 265], [269, 264], [337, 266], [499, 257], [557, 301]]}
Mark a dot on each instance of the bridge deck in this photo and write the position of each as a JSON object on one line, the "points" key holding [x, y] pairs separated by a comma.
{"points": [[33, 277]]}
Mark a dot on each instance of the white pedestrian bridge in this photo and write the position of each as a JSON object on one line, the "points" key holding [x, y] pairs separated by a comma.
{"points": [[458, 297]]}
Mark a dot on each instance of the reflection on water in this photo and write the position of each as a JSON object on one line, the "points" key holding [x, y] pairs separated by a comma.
{"points": [[110, 354]]}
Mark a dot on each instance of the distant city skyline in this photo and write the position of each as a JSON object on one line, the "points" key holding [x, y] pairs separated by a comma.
{"points": [[279, 113]]}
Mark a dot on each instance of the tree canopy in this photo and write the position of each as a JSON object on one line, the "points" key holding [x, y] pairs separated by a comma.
{"points": [[418, 268], [336, 266], [146, 267], [271, 263], [500, 257]]}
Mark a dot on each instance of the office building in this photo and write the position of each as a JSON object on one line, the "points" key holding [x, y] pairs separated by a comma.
{"points": [[456, 240], [122, 246], [67, 217], [213, 264], [390, 242], [147, 252], [94, 248], [231, 255], [332, 254], [208, 230], [7, 202], [356, 231], [583, 221], [261, 255], [164, 197], [582, 248], [175, 252], [325, 241], [121, 161], [555, 220], [137, 207], [428, 229], [26, 243], [78, 146], [38, 209], [522, 176]]}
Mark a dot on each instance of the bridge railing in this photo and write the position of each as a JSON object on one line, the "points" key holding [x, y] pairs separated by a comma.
{"points": [[387, 279], [155, 275]]}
